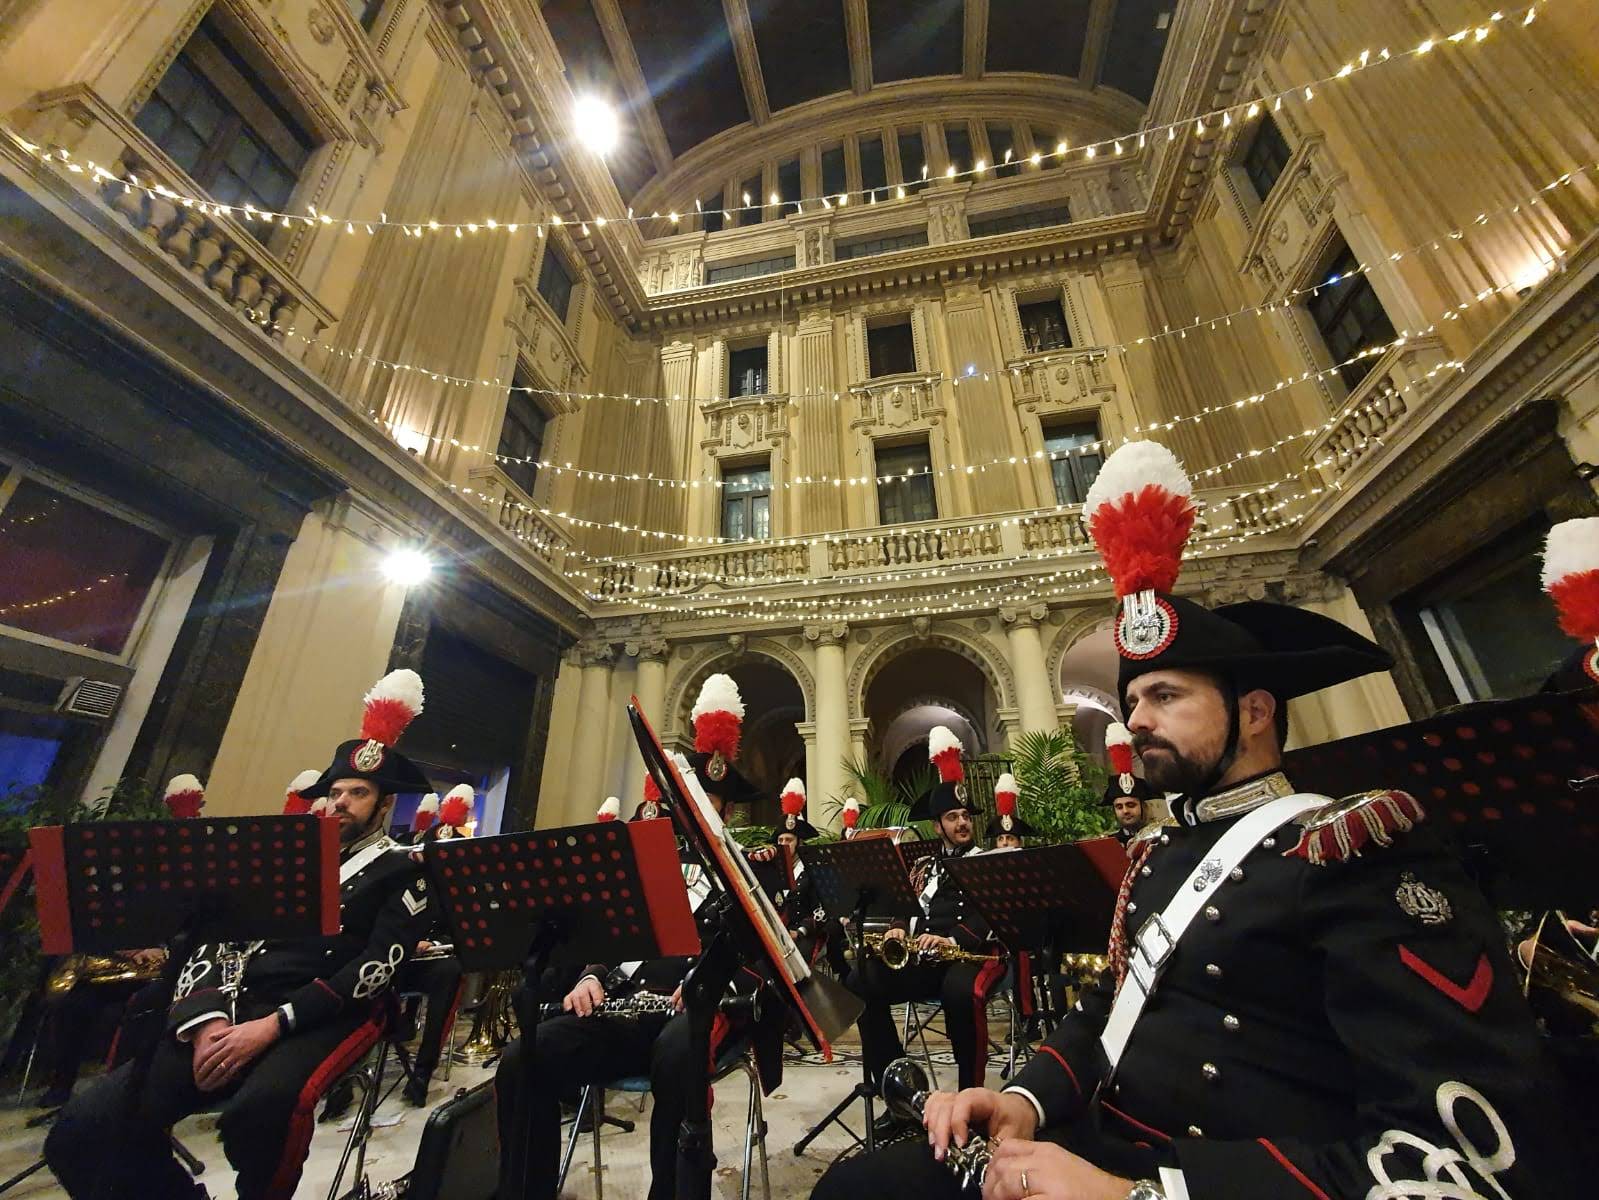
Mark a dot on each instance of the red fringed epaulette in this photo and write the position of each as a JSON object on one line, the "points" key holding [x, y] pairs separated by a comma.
{"points": [[1337, 831]]}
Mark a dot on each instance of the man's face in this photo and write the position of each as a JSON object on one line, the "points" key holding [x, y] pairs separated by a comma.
{"points": [[1179, 724], [357, 806], [788, 841], [955, 827], [1129, 811], [1007, 841]]}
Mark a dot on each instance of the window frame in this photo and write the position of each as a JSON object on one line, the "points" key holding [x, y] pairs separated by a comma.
{"points": [[1352, 288], [1254, 170], [1022, 307], [553, 255], [891, 321], [371, 10], [1068, 469], [867, 186], [729, 272], [979, 225], [745, 499], [764, 351], [520, 379], [912, 183], [887, 243], [906, 492]]}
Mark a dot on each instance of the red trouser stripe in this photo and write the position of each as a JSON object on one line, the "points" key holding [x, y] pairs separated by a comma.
{"points": [[303, 1123], [987, 976]]}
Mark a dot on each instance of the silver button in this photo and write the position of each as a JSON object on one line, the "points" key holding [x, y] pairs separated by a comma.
{"points": [[1269, 844], [1165, 839], [1195, 1131], [1210, 1071], [1230, 1023], [1145, 872], [1236, 874], [1213, 970], [1132, 907], [1212, 913]]}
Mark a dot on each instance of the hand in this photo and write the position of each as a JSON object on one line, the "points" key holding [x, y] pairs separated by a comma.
{"points": [[931, 941], [230, 1049], [1581, 930], [146, 957], [582, 999], [895, 934], [949, 1117], [762, 854], [677, 997], [424, 946], [1053, 1173]]}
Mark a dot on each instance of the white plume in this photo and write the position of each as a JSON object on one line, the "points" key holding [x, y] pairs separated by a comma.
{"points": [[184, 783], [1132, 466], [719, 694], [794, 785], [1117, 734], [1573, 547], [304, 780], [429, 803], [1005, 783], [940, 740], [404, 685], [611, 808], [465, 792]]}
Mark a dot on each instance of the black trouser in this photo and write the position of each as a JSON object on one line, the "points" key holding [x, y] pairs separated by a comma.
{"points": [[80, 1022], [907, 1168], [102, 1147], [579, 1050], [962, 987], [439, 979]]}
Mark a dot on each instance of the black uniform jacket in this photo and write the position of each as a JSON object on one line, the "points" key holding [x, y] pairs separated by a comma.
{"points": [[949, 913], [384, 910], [1318, 1031]]}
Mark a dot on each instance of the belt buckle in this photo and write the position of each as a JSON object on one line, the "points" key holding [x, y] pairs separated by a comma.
{"points": [[1146, 964]]}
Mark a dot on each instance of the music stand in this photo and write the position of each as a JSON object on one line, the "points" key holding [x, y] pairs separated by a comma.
{"points": [[1510, 780], [14, 864], [529, 900], [104, 886], [851, 878]]}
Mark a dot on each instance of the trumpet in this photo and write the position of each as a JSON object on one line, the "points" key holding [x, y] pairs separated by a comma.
{"points": [[897, 953], [905, 1089]]}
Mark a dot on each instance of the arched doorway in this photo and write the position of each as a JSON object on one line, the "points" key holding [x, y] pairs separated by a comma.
{"points": [[921, 686]]}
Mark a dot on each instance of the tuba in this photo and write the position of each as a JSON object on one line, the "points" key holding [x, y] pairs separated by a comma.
{"points": [[491, 1025]]}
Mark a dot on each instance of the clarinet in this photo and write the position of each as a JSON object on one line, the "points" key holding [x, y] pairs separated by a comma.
{"points": [[643, 1004], [905, 1088]]}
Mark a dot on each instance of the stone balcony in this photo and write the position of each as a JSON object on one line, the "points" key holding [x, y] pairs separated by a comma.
{"points": [[1397, 384], [852, 558], [513, 510], [213, 244]]}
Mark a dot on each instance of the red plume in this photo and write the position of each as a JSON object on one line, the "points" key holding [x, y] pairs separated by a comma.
{"points": [[1005, 795], [852, 813], [1119, 747], [185, 796], [793, 799], [456, 807], [944, 751], [1576, 599], [1140, 512], [652, 793], [715, 731], [1571, 575]]}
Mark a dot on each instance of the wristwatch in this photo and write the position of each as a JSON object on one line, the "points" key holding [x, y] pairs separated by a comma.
{"points": [[1146, 1189]]}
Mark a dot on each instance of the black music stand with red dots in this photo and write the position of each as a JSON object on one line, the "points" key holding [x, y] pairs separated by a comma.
{"points": [[612, 890], [1515, 783]]}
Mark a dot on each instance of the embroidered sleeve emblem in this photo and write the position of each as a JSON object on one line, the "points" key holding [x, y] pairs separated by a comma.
{"points": [[1426, 904]]}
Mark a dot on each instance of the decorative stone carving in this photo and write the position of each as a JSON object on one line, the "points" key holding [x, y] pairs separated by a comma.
{"points": [[321, 25], [813, 248], [1023, 617], [826, 635], [735, 642], [922, 626], [596, 654], [745, 423], [648, 649]]}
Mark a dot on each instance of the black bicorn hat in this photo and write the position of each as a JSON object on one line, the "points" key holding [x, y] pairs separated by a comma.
{"points": [[1007, 816], [1140, 512], [792, 820], [392, 704]]}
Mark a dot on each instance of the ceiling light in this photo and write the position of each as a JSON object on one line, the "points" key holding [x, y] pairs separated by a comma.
{"points": [[407, 567], [596, 124]]}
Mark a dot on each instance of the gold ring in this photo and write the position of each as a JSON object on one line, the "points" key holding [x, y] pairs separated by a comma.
{"points": [[1026, 1191]]}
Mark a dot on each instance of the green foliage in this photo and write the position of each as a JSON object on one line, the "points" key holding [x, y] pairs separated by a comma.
{"points": [[1061, 788], [886, 803]]}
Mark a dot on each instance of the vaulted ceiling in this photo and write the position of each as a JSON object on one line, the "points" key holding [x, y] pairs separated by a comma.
{"points": [[683, 71]]}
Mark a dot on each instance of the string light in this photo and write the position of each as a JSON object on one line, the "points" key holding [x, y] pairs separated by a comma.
{"points": [[1364, 61], [60, 597], [1210, 324]]}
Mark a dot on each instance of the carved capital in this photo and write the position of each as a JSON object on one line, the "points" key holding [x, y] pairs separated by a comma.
{"points": [[648, 649], [1023, 617], [827, 635], [595, 654]]}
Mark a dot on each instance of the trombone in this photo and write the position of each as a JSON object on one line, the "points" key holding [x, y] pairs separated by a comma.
{"points": [[896, 953]]}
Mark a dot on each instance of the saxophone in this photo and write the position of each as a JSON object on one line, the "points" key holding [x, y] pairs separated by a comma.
{"points": [[898, 953], [95, 969]]}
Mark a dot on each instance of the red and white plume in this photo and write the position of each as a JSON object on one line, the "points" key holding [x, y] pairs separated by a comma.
{"points": [[293, 803], [793, 802], [185, 796], [1119, 749], [1140, 511], [455, 809], [1005, 800], [610, 810], [392, 704], [718, 717], [1571, 576], [427, 813], [944, 752], [652, 791], [851, 813]]}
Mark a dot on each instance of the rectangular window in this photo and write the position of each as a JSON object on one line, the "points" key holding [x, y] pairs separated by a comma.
{"points": [[874, 167], [221, 122], [958, 141], [1044, 143], [1032, 218], [746, 371], [752, 200], [765, 266], [912, 159], [835, 177], [73, 572], [1267, 157], [1044, 325], [747, 502], [1001, 142], [1349, 316], [365, 11], [711, 218], [891, 347], [555, 283], [522, 434], [1073, 468], [788, 186], [879, 245], [905, 484]]}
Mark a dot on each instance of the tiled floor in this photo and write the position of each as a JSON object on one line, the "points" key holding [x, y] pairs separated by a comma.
{"points": [[808, 1090]]}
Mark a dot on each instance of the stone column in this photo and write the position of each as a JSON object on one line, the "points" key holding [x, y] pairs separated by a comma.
{"points": [[651, 653], [858, 729], [588, 744], [821, 814], [1035, 698], [832, 712]]}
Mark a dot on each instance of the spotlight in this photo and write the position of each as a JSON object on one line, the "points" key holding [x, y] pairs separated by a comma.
{"points": [[407, 567], [596, 124]]}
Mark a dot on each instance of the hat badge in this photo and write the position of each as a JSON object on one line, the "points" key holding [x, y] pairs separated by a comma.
{"points": [[790, 820], [1005, 823], [717, 767], [960, 792], [1147, 625], [368, 756]]}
